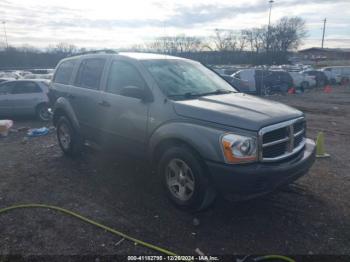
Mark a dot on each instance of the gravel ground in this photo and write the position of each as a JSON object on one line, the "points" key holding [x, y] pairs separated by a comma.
{"points": [[312, 216]]}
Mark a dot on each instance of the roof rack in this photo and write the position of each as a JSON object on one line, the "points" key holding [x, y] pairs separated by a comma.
{"points": [[100, 51]]}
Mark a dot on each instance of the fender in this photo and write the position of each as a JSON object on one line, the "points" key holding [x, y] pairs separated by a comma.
{"points": [[205, 140], [62, 105]]}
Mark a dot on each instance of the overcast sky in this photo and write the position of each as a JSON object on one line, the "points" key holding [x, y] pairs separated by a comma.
{"points": [[115, 24]]}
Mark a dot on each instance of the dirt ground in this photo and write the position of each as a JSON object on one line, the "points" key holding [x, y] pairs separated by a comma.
{"points": [[312, 216]]}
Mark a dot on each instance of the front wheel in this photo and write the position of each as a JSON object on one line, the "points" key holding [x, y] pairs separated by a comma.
{"points": [[184, 179]]}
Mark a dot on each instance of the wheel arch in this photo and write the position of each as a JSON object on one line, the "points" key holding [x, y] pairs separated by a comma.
{"points": [[169, 142], [202, 140], [62, 107]]}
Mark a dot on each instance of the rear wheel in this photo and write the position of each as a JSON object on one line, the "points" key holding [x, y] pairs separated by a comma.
{"points": [[68, 139], [184, 179], [42, 112]]}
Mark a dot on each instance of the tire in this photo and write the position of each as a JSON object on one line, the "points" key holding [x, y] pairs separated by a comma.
{"points": [[184, 179], [321, 83], [266, 90], [305, 85], [42, 112], [68, 138]]}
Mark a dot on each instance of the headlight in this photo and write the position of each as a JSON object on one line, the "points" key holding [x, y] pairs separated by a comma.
{"points": [[239, 149]]}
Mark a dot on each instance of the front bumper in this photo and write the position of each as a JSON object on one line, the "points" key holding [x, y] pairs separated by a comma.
{"points": [[240, 182]]}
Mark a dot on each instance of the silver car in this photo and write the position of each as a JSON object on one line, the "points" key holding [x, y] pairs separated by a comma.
{"points": [[25, 97]]}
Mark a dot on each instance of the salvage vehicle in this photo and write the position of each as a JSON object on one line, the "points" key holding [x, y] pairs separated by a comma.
{"points": [[302, 81], [277, 81], [201, 135], [340, 74], [24, 97], [265, 82], [320, 77]]}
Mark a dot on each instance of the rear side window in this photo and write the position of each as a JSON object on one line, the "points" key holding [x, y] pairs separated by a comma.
{"points": [[123, 74], [26, 88], [90, 73], [64, 72], [6, 88]]}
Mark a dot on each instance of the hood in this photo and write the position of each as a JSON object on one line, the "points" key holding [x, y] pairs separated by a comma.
{"points": [[237, 110]]}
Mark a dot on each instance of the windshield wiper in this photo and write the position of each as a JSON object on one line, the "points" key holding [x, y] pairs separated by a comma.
{"points": [[185, 95], [216, 92], [190, 95]]}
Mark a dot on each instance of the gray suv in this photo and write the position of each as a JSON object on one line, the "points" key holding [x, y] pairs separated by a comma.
{"points": [[202, 136]]}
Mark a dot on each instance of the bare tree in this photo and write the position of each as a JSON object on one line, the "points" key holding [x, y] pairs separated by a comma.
{"points": [[225, 40], [288, 33]]}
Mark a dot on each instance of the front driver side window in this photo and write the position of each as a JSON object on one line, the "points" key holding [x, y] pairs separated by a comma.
{"points": [[123, 74]]}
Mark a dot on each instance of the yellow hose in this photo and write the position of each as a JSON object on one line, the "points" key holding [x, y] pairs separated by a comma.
{"points": [[87, 220]]}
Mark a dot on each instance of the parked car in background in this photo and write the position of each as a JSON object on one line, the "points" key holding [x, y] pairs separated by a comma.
{"points": [[24, 97], [237, 83], [277, 81], [4, 79], [9, 75], [264, 82], [342, 72], [332, 77], [302, 81], [249, 78], [320, 77], [38, 76], [201, 135]]}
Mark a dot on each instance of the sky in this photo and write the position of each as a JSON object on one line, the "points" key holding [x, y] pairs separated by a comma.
{"points": [[121, 24]]}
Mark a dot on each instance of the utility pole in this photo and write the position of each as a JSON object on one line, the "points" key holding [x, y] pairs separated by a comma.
{"points": [[324, 29], [4, 24], [270, 2], [268, 27]]}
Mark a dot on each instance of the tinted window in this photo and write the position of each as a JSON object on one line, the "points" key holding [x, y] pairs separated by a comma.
{"points": [[25, 88], [123, 74], [89, 73], [64, 72], [5, 88]]}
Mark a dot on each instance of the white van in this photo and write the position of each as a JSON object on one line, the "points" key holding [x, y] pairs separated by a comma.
{"points": [[247, 75]]}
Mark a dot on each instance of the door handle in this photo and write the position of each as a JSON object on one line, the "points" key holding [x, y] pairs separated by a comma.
{"points": [[104, 103]]}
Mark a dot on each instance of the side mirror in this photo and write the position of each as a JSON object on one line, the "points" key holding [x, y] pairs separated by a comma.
{"points": [[133, 91]]}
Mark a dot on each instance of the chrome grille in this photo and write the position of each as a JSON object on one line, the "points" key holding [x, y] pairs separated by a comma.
{"points": [[282, 140]]}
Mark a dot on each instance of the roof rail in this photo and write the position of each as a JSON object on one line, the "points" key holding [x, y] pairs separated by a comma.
{"points": [[100, 51]]}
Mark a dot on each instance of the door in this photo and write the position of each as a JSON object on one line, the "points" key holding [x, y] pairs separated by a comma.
{"points": [[124, 118], [5, 98], [25, 96], [84, 95]]}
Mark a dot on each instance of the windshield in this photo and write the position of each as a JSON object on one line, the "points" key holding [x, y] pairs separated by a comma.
{"points": [[178, 78]]}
